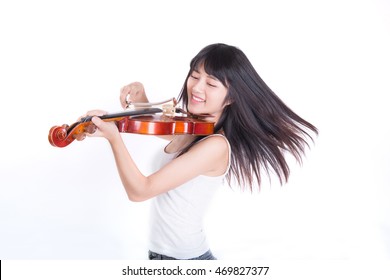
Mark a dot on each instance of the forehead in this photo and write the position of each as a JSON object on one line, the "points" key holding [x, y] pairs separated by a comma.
{"points": [[212, 72], [200, 69]]}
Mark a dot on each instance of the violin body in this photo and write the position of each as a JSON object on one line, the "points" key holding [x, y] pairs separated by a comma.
{"points": [[164, 125], [139, 121]]}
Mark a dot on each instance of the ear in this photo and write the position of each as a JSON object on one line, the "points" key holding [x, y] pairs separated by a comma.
{"points": [[228, 101]]}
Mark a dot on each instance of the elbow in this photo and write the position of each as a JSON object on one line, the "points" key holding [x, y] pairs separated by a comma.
{"points": [[136, 197], [138, 193]]}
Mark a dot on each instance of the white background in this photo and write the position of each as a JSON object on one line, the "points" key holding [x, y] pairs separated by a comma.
{"points": [[328, 60]]}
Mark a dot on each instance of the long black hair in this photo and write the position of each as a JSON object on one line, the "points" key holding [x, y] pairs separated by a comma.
{"points": [[258, 125]]}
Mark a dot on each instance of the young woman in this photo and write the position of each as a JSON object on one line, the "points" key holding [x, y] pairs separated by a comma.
{"points": [[253, 131]]}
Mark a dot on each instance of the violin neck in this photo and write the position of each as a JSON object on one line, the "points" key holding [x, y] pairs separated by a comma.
{"points": [[142, 112], [113, 116]]}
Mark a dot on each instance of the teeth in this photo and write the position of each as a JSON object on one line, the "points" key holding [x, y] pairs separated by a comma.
{"points": [[198, 99]]}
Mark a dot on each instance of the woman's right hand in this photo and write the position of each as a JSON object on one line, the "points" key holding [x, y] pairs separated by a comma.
{"points": [[132, 93]]}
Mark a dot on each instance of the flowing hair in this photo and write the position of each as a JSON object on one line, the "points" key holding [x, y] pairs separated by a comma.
{"points": [[258, 125]]}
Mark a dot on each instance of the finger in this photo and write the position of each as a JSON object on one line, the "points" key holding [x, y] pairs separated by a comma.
{"points": [[97, 121], [91, 129], [123, 96], [81, 117], [96, 113], [122, 99], [80, 137]]}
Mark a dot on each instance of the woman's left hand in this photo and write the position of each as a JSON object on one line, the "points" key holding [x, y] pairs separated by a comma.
{"points": [[104, 129]]}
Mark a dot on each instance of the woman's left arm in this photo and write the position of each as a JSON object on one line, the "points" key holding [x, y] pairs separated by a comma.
{"points": [[209, 157]]}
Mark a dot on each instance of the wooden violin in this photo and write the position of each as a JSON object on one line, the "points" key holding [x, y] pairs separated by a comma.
{"points": [[142, 118]]}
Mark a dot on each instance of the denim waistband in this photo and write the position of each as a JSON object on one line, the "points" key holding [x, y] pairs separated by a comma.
{"points": [[156, 256]]}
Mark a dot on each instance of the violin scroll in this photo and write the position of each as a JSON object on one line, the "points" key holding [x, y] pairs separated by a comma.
{"points": [[57, 136], [62, 136]]}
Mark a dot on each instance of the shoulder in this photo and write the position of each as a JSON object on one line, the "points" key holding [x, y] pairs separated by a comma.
{"points": [[216, 142], [210, 147], [214, 153]]}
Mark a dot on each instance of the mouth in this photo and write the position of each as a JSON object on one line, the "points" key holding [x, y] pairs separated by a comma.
{"points": [[197, 99]]}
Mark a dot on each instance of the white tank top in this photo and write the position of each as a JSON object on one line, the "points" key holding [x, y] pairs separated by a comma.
{"points": [[176, 223]]}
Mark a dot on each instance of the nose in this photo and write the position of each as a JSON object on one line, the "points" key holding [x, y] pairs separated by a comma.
{"points": [[198, 87]]}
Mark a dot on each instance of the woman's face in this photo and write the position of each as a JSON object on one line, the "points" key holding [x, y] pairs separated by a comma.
{"points": [[206, 94]]}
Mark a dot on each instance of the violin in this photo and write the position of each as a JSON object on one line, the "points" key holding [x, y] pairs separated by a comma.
{"points": [[163, 118]]}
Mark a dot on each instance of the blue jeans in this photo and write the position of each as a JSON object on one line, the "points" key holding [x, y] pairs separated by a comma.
{"points": [[155, 256]]}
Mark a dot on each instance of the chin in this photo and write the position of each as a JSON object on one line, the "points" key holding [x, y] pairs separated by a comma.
{"points": [[195, 109]]}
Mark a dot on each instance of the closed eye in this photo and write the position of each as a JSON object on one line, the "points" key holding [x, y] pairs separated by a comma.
{"points": [[194, 77]]}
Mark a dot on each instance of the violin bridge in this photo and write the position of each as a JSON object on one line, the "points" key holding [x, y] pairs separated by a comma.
{"points": [[168, 110]]}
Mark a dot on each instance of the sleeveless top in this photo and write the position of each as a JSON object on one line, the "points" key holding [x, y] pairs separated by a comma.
{"points": [[176, 222]]}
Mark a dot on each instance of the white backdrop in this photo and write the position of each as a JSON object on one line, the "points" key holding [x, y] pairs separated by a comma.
{"points": [[328, 60]]}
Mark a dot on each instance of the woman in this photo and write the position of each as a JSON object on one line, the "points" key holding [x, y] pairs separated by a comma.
{"points": [[253, 131]]}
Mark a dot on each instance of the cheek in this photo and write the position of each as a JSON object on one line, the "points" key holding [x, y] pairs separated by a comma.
{"points": [[189, 85], [221, 97], [216, 102]]}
